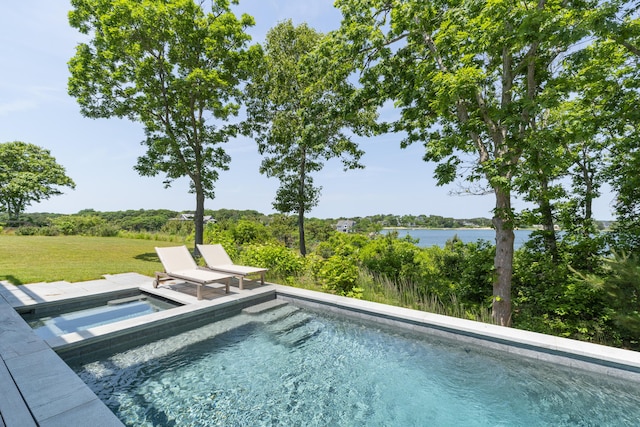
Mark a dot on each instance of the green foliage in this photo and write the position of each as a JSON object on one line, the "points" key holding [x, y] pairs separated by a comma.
{"points": [[392, 258], [179, 228], [282, 262], [339, 274], [77, 224], [283, 229], [249, 232], [171, 67], [469, 78], [549, 298], [297, 115], [343, 244], [467, 269], [619, 286], [218, 233], [224, 215], [28, 174], [317, 230], [28, 231]]}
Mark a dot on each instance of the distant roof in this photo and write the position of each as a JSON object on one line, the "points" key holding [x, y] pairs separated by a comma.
{"points": [[190, 217]]}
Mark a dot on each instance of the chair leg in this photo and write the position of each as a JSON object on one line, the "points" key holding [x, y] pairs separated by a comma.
{"points": [[240, 283], [226, 290], [262, 278], [199, 291]]}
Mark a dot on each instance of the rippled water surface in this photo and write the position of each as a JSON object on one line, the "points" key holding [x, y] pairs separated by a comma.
{"points": [[291, 367]]}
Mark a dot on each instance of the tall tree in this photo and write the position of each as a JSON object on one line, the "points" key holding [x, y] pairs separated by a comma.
{"points": [[613, 64], [171, 67], [469, 78], [28, 174], [298, 111]]}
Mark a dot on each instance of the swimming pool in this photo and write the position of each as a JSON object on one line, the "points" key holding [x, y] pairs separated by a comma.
{"points": [[300, 367], [102, 312]]}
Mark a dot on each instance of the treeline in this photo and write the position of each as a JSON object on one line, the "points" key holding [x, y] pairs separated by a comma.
{"points": [[97, 223]]}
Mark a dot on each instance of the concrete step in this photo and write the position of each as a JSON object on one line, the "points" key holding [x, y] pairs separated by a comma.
{"points": [[264, 307]]}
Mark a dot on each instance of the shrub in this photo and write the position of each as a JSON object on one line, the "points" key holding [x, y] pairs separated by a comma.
{"points": [[179, 228], [342, 244], [620, 289], [78, 224], [48, 231], [548, 297], [281, 261], [103, 230], [463, 269], [392, 258], [247, 232], [27, 231], [339, 274]]}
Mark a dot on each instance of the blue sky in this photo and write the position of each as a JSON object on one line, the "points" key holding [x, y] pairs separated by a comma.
{"points": [[35, 44]]}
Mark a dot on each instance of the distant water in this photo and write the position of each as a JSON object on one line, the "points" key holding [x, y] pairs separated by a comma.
{"points": [[438, 237]]}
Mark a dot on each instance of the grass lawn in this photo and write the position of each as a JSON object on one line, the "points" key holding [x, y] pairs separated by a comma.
{"points": [[32, 259]]}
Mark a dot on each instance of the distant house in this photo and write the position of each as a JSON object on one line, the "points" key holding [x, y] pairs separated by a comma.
{"points": [[345, 225], [190, 217]]}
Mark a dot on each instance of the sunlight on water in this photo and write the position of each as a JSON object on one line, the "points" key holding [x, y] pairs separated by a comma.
{"points": [[291, 367]]}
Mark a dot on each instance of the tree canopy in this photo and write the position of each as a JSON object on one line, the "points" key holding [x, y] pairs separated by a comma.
{"points": [[296, 111], [471, 80], [28, 174], [172, 67]]}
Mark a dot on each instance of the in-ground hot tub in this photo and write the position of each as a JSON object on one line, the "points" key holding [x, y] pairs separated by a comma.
{"points": [[59, 319]]}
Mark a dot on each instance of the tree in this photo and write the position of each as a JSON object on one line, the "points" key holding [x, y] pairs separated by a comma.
{"points": [[28, 174], [614, 64], [297, 110], [470, 79], [173, 68]]}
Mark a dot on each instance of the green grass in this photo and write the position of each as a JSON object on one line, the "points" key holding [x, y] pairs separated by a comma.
{"points": [[32, 259]]}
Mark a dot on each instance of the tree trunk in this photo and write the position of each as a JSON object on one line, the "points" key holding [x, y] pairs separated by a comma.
{"points": [[548, 226], [301, 204], [199, 216], [303, 247], [503, 261]]}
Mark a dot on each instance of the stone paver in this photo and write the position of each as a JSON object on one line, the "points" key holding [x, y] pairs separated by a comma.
{"points": [[50, 391]]}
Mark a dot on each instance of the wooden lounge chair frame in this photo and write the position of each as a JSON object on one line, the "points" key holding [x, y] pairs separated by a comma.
{"points": [[217, 259], [179, 264]]}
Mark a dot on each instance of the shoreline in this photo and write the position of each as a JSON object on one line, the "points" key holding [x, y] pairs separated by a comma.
{"points": [[452, 228]]}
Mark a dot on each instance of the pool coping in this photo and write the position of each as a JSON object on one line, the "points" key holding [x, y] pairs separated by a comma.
{"points": [[606, 360]]}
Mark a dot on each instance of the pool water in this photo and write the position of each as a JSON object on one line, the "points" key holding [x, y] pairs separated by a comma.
{"points": [[109, 312], [292, 367]]}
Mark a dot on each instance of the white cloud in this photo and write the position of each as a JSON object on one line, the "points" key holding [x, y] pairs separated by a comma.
{"points": [[17, 106]]}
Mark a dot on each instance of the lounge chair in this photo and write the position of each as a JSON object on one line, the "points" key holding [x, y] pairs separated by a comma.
{"points": [[179, 264], [217, 259]]}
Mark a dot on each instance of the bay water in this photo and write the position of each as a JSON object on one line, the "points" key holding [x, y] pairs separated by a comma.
{"points": [[438, 237]]}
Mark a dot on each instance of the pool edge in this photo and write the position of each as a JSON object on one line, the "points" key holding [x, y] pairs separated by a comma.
{"points": [[606, 360]]}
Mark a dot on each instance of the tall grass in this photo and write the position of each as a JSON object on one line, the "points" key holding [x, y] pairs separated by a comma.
{"points": [[403, 293], [159, 237]]}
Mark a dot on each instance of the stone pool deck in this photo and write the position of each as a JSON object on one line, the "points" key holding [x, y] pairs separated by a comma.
{"points": [[39, 389]]}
